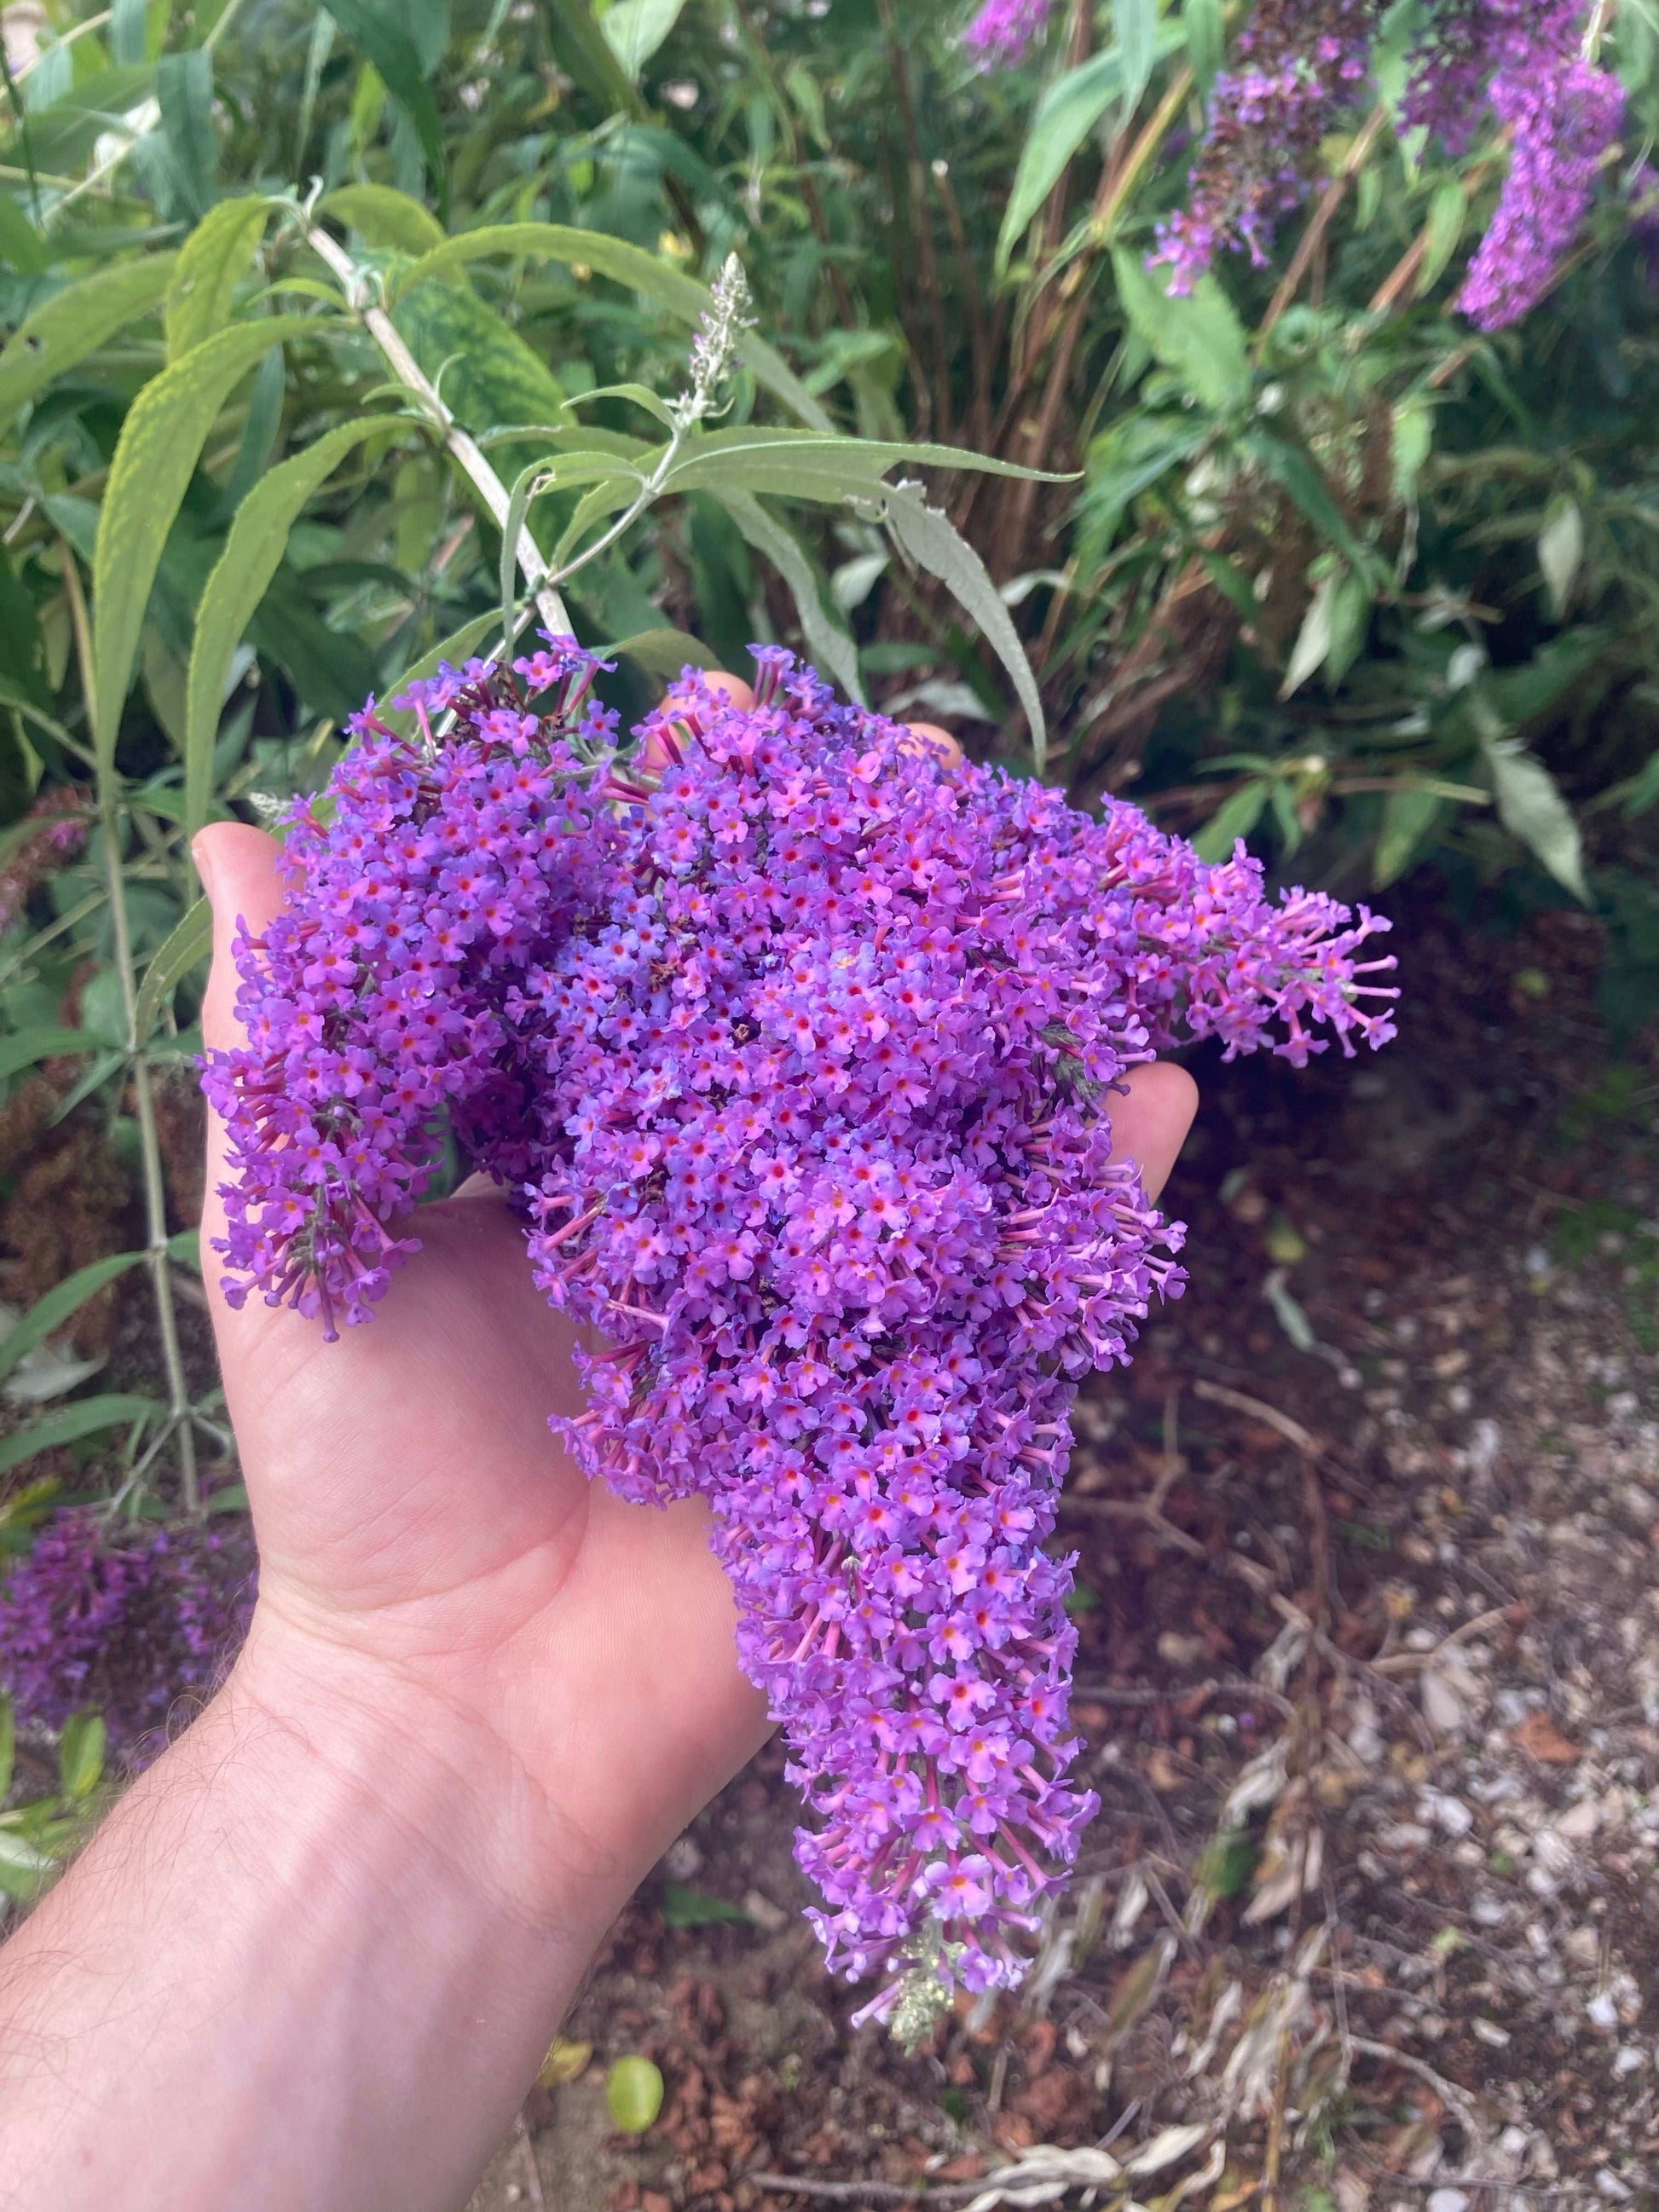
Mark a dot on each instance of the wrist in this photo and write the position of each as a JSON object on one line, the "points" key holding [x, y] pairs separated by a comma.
{"points": [[360, 1734]]}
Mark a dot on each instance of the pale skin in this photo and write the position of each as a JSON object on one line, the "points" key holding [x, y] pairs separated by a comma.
{"points": [[313, 1959]]}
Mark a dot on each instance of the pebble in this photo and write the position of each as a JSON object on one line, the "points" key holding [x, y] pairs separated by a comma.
{"points": [[1448, 2200]]}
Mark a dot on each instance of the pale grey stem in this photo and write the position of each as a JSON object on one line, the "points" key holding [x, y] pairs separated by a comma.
{"points": [[149, 1153], [473, 461]]}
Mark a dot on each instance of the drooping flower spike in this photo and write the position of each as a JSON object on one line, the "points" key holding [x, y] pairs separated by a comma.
{"points": [[797, 1049]]}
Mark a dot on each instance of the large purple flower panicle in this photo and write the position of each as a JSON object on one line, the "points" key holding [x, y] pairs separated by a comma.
{"points": [[824, 1111], [1300, 63], [802, 1060], [1003, 31], [124, 1623], [370, 1003]]}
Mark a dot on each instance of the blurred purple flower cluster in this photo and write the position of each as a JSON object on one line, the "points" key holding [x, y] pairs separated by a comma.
{"points": [[1003, 31], [122, 1621], [798, 1049], [1300, 68], [1299, 64]]}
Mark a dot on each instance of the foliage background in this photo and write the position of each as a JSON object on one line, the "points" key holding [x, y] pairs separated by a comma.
{"points": [[1304, 558]]}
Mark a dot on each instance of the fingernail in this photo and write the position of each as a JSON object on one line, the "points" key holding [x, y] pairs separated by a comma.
{"points": [[200, 851]]}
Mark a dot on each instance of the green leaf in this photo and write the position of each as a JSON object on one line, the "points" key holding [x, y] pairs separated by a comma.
{"points": [[808, 464], [456, 648], [633, 2091], [695, 1908], [1206, 41], [253, 553], [74, 323], [397, 62], [185, 1245], [1067, 112], [489, 378], [584, 48], [1234, 819], [23, 1048], [1561, 551], [1313, 641], [826, 642], [165, 427], [81, 1754], [1531, 807], [87, 1418], [1449, 207], [933, 543], [8, 1746], [385, 217], [665, 651], [20, 244], [1200, 337], [623, 264], [634, 29], [1300, 477], [1407, 817], [214, 260], [63, 1300], [23, 1866], [189, 944], [1137, 42], [184, 92]]}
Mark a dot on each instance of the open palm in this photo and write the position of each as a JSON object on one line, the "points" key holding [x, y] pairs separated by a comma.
{"points": [[424, 1537]]}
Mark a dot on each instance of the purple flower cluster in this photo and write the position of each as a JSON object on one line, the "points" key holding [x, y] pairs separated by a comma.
{"points": [[802, 1067], [1562, 114], [1003, 31], [124, 1623], [1519, 61], [373, 1004], [1300, 63]]}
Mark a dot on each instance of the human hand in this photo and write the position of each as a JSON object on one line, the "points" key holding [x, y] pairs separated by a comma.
{"points": [[436, 1572]]}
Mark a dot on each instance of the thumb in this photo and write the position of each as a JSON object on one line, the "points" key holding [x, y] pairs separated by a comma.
{"points": [[239, 871]]}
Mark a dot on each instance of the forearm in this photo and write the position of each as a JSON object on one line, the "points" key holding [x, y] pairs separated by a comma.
{"points": [[307, 1963]]}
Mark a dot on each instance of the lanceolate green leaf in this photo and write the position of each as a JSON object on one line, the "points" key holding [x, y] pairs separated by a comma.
{"points": [[161, 443], [1138, 42], [665, 651], [1530, 807], [625, 265], [826, 642], [1300, 476], [1199, 337], [86, 1418], [634, 29], [385, 217], [379, 36], [63, 1300], [75, 323], [933, 543], [253, 553], [189, 943], [27, 1048], [1064, 116], [806, 465], [458, 646], [1206, 31], [214, 260]]}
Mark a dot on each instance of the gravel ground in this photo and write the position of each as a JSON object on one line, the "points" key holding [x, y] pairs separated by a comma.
{"points": [[1370, 1537]]}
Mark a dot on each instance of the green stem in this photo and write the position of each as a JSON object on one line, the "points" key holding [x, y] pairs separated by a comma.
{"points": [[149, 1147], [356, 282]]}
